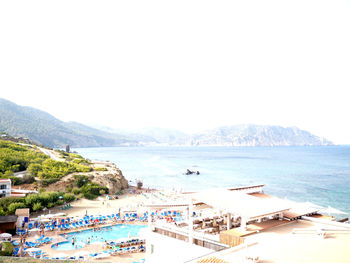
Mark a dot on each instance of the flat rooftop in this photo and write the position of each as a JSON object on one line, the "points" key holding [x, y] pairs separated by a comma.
{"points": [[280, 244], [255, 228]]}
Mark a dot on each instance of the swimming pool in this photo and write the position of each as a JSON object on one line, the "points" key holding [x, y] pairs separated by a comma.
{"points": [[102, 235]]}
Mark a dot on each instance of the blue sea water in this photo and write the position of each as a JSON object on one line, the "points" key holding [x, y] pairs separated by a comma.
{"points": [[319, 174]]}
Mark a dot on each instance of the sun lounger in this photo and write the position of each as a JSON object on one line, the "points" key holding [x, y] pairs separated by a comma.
{"points": [[32, 244], [40, 238], [15, 251], [46, 240]]}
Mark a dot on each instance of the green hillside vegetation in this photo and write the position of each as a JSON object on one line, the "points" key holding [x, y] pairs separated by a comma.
{"points": [[45, 129], [43, 171]]}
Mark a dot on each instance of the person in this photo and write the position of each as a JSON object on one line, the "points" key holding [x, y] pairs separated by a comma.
{"points": [[73, 241], [88, 240]]}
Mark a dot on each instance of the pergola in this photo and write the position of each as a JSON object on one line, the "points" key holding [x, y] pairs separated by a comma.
{"points": [[246, 206], [236, 203]]}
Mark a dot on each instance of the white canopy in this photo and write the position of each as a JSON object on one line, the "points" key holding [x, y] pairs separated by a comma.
{"points": [[5, 235], [247, 206]]}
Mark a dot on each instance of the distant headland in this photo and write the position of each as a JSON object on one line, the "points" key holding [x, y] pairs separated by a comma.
{"points": [[44, 129]]}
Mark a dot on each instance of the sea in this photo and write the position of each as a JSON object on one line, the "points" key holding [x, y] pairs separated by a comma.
{"points": [[316, 174]]}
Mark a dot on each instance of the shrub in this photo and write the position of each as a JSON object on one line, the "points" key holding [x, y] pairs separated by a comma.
{"points": [[48, 197], [46, 182], [7, 249], [59, 202], [90, 196], [55, 169], [81, 195], [101, 169], [31, 199], [28, 179], [12, 207], [82, 168], [81, 161], [49, 205], [76, 191], [37, 206], [2, 212], [102, 192], [8, 173], [6, 201], [42, 190], [74, 155], [68, 197], [15, 180], [34, 169], [69, 189], [80, 180]]}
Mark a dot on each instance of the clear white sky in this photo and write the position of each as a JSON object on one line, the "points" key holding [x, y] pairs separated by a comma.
{"points": [[183, 64]]}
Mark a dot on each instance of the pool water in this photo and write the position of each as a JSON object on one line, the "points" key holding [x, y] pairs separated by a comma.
{"points": [[102, 235]]}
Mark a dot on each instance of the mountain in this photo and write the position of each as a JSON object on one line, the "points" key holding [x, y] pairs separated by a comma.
{"points": [[152, 135], [45, 129], [237, 135], [257, 135]]}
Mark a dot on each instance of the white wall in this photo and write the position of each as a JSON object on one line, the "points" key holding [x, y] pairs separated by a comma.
{"points": [[171, 250]]}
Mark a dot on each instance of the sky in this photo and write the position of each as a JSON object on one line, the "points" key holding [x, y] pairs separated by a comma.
{"points": [[188, 65]]}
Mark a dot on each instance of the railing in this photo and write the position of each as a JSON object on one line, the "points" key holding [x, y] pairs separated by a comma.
{"points": [[195, 235], [326, 222]]}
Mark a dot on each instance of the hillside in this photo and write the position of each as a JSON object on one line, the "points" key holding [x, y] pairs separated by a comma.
{"points": [[45, 129], [71, 177], [257, 135]]}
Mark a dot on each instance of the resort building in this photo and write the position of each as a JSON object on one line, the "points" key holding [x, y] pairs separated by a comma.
{"points": [[5, 187], [22, 192], [242, 225]]}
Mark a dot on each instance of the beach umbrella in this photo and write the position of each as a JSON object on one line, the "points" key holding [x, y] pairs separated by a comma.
{"points": [[5, 235]]}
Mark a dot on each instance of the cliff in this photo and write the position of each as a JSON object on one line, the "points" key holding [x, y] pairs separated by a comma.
{"points": [[112, 178]]}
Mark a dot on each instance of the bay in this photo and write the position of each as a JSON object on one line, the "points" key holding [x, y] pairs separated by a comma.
{"points": [[318, 174]]}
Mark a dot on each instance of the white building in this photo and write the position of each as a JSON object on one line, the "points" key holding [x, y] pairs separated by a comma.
{"points": [[5, 187]]}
